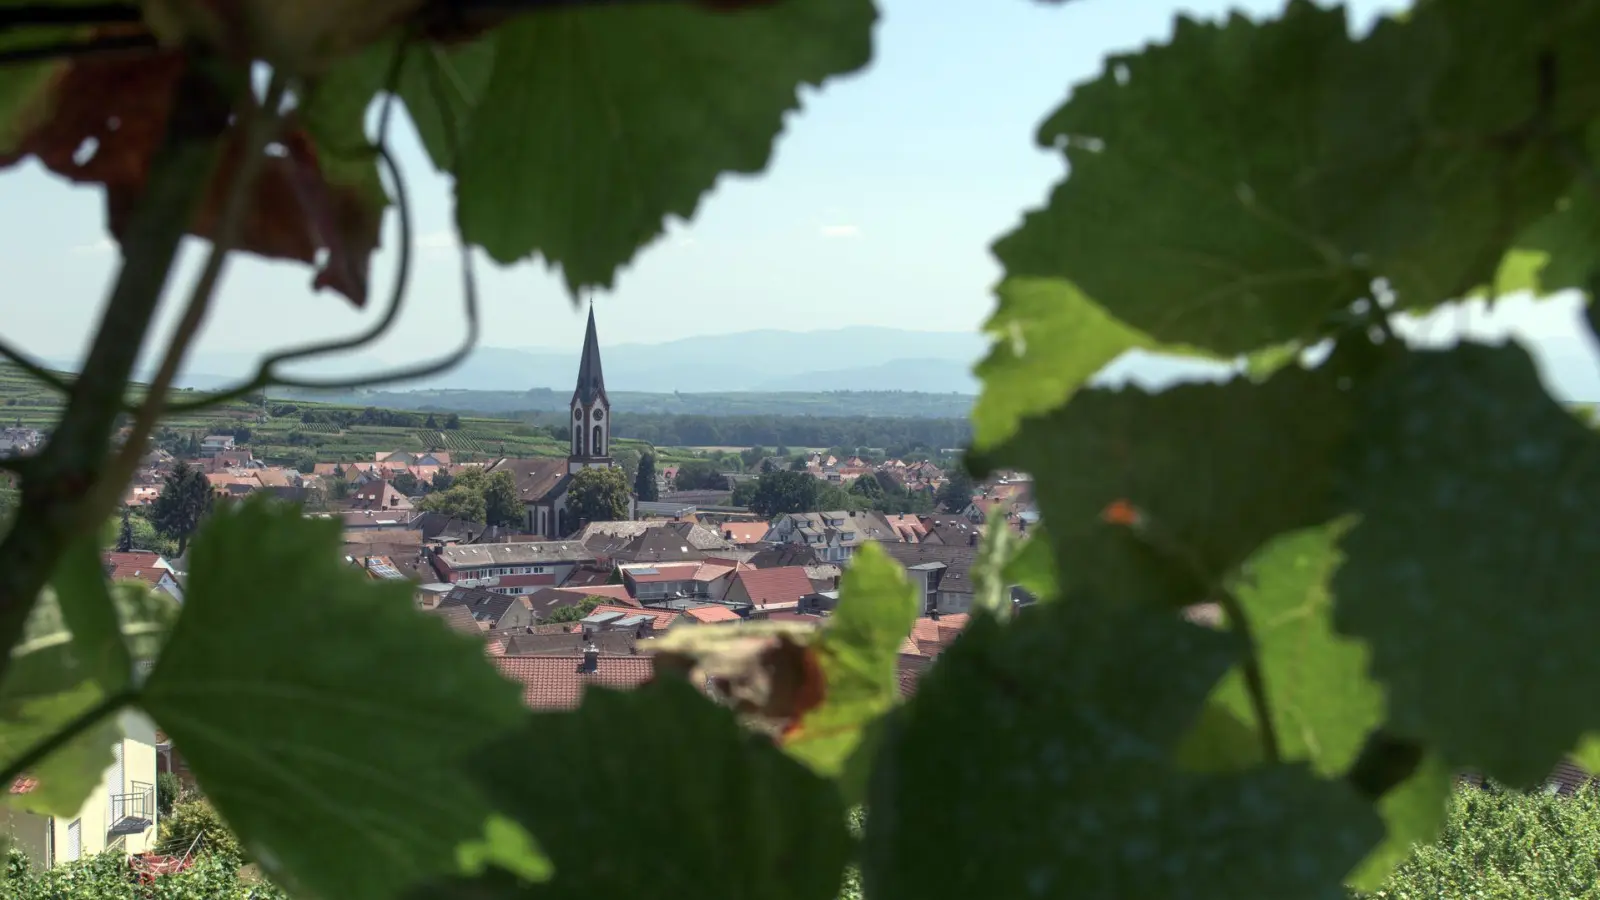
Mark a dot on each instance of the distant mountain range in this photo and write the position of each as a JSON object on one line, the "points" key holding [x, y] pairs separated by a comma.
{"points": [[844, 359]]}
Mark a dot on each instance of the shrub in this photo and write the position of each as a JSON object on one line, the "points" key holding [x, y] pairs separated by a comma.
{"points": [[198, 817], [1506, 845], [168, 790]]}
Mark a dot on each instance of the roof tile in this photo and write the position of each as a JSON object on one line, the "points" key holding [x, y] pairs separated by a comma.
{"points": [[558, 682]]}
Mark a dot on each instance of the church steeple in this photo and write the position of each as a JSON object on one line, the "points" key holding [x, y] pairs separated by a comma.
{"points": [[591, 408], [591, 380]]}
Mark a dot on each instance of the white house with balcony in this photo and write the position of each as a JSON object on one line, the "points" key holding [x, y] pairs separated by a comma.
{"points": [[120, 813]]}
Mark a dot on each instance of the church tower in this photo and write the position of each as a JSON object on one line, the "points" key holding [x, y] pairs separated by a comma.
{"points": [[591, 409]]}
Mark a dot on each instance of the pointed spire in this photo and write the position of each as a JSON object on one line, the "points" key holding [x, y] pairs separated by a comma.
{"points": [[591, 380]]}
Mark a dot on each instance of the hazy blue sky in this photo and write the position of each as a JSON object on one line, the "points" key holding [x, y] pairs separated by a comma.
{"points": [[882, 198]]}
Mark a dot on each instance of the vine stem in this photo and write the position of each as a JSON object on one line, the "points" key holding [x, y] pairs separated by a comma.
{"points": [[263, 128], [110, 705], [57, 484], [1255, 681]]}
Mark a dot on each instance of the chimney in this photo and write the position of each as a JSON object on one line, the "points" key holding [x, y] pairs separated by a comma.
{"points": [[972, 539], [591, 658]]}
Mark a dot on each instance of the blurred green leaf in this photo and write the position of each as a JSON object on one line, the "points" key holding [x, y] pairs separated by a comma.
{"points": [[294, 683]]}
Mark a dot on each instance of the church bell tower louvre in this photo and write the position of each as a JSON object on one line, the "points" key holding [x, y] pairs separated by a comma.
{"points": [[590, 409]]}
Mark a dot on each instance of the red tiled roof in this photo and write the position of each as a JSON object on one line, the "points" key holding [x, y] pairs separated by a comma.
{"points": [[745, 532], [909, 669], [929, 637], [712, 614], [782, 586], [24, 785], [147, 574], [143, 558], [558, 682], [712, 571]]}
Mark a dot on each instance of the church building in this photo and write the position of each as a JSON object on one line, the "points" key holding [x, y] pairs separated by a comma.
{"points": [[543, 483]]}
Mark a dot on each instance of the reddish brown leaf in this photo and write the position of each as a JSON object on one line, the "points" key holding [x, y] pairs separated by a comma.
{"points": [[106, 120]]}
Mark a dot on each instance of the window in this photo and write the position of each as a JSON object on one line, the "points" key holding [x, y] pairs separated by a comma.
{"points": [[597, 447], [114, 780], [74, 841]]}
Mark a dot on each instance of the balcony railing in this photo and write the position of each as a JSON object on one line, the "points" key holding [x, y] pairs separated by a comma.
{"points": [[133, 812]]}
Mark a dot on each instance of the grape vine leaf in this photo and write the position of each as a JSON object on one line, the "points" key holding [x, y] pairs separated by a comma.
{"points": [[1049, 340], [119, 107], [991, 590], [1033, 568], [1187, 214], [303, 38], [24, 87], [1588, 753], [1413, 812], [1476, 527], [1211, 470], [343, 162], [1445, 137], [1075, 711], [294, 683], [1322, 701], [506, 845], [1559, 251], [597, 123], [88, 612], [49, 683], [441, 88], [858, 652], [1220, 740], [662, 767]]}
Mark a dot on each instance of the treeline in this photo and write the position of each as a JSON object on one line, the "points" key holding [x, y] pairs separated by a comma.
{"points": [[775, 430], [371, 415], [724, 403]]}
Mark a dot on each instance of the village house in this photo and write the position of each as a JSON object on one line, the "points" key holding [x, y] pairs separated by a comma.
{"points": [[506, 612], [216, 443], [120, 813], [379, 495], [491, 608], [744, 534], [375, 520], [645, 622], [511, 568], [678, 584], [940, 573], [768, 590], [651, 542], [19, 441], [411, 460], [833, 535], [141, 495], [142, 565]]}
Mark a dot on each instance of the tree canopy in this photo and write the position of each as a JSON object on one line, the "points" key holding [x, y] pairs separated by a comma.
{"points": [[597, 495]]}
